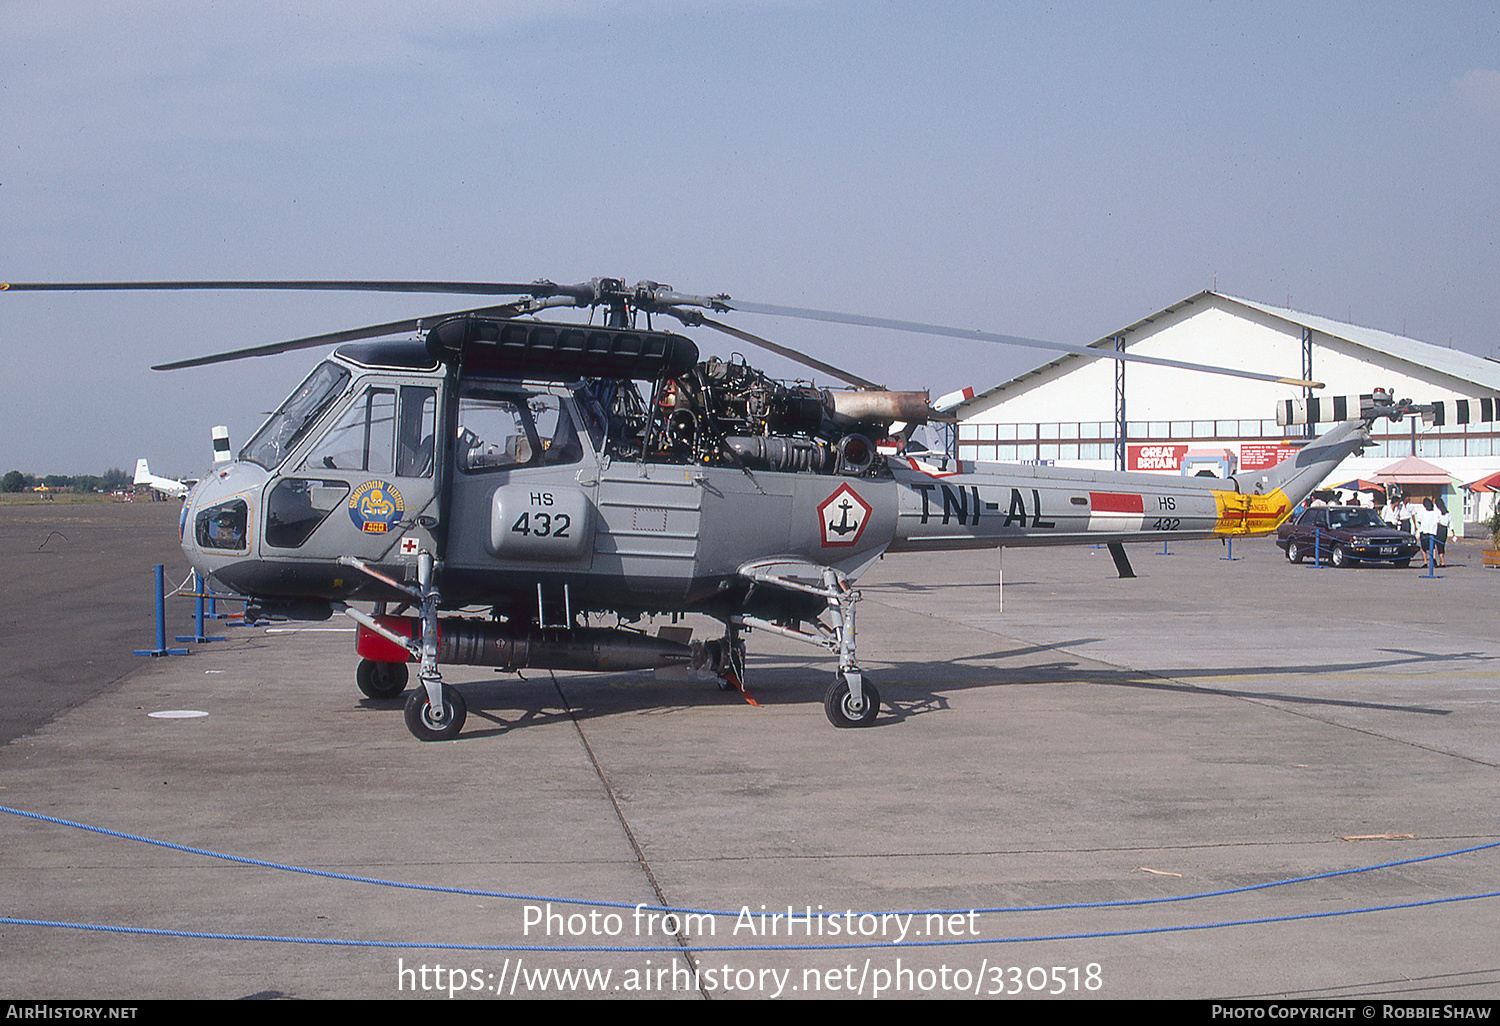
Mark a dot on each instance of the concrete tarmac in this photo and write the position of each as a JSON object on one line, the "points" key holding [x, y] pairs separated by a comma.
{"points": [[76, 600], [1104, 760]]}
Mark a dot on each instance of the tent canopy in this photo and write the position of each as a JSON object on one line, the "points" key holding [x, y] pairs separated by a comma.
{"points": [[1413, 471], [1490, 483]]}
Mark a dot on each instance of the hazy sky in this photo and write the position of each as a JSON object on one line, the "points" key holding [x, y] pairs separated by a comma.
{"points": [[1055, 170]]}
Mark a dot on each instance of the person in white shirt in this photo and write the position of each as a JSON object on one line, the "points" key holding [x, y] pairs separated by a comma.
{"points": [[1427, 520], [1444, 525]]}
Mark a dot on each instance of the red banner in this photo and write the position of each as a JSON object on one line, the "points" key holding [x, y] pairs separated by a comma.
{"points": [[1262, 455], [1154, 457]]}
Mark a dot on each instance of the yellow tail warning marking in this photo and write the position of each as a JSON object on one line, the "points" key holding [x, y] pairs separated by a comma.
{"points": [[1251, 514]]}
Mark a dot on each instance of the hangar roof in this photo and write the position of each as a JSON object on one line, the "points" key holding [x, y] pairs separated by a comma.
{"points": [[1482, 372]]}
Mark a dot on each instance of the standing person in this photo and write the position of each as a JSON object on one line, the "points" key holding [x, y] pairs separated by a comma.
{"points": [[1445, 522], [1427, 527], [1405, 515]]}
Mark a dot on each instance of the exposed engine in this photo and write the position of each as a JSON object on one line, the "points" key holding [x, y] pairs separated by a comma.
{"points": [[727, 412]]}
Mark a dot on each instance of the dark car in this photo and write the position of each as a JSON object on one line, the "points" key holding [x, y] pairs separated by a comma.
{"points": [[1345, 535]]}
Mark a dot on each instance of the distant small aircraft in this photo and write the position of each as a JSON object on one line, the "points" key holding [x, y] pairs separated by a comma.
{"points": [[165, 485]]}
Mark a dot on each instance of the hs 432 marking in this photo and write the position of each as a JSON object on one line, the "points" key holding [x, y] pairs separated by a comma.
{"points": [[542, 525]]}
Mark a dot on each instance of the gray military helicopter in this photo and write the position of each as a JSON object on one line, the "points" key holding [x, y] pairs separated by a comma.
{"points": [[547, 472]]}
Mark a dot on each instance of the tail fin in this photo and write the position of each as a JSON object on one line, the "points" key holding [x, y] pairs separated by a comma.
{"points": [[142, 472], [1298, 474]]}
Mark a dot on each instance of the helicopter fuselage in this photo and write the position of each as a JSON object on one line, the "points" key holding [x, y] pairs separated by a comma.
{"points": [[392, 475]]}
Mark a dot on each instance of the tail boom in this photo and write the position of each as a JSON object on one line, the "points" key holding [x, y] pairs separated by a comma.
{"points": [[989, 505]]}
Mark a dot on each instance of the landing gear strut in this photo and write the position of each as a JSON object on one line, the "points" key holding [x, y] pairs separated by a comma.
{"points": [[437, 711], [850, 701], [727, 659]]}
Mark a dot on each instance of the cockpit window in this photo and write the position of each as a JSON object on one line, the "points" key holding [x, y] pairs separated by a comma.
{"points": [[290, 422], [594, 420], [363, 439], [500, 430], [416, 431]]}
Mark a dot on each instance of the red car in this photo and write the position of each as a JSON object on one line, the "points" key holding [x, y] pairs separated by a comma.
{"points": [[1345, 535]]}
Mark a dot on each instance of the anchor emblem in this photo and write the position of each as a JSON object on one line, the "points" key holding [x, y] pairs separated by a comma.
{"points": [[844, 526], [842, 518]]}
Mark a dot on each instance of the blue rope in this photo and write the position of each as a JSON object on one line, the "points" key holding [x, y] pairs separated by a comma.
{"points": [[472, 892], [647, 949]]}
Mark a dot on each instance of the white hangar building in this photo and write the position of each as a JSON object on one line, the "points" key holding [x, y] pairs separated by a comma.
{"points": [[1180, 421]]}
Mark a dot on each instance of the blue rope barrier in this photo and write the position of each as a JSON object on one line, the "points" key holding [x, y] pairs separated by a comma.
{"points": [[474, 892], [851, 946]]}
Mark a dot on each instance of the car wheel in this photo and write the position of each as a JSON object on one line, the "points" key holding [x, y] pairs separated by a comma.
{"points": [[1339, 558], [1293, 552]]}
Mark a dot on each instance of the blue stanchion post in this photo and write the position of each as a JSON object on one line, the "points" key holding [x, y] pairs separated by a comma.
{"points": [[1231, 556], [198, 614], [1431, 552], [161, 648]]}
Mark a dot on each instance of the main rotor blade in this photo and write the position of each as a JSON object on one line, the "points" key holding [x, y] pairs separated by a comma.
{"points": [[860, 320], [331, 338], [790, 354], [472, 288]]}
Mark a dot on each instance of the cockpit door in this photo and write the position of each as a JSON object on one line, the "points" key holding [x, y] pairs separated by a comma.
{"points": [[366, 483], [524, 478]]}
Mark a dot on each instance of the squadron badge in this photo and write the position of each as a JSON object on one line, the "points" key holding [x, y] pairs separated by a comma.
{"points": [[375, 506]]}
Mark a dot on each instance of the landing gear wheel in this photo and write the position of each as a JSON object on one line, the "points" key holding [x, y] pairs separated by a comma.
{"points": [[1293, 552], [422, 724], [381, 680], [1339, 558], [838, 703]]}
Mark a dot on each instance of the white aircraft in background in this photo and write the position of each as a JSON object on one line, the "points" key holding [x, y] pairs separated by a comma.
{"points": [[165, 485]]}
